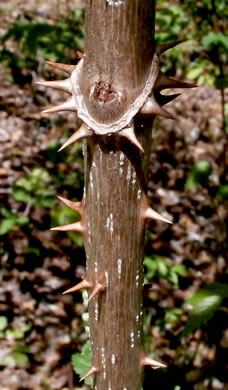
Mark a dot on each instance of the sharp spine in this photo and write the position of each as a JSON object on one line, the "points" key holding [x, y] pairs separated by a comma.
{"points": [[83, 132], [147, 361], [163, 48], [80, 54], [84, 284], [164, 82], [64, 67], [92, 371], [69, 105], [152, 214], [164, 99], [151, 107], [63, 85], [72, 227], [129, 134], [97, 290], [76, 206]]}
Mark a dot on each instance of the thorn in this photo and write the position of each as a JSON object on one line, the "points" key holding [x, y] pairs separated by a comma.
{"points": [[72, 227], [164, 82], [64, 67], [76, 206], [151, 107], [97, 290], [83, 284], [148, 213], [92, 371], [152, 214], [147, 361], [129, 134], [164, 99], [163, 48], [69, 105], [79, 54], [64, 85], [83, 132]]}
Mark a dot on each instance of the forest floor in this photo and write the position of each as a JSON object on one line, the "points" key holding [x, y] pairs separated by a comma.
{"points": [[44, 327]]}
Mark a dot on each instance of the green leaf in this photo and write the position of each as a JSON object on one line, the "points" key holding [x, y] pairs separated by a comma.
{"points": [[3, 323], [172, 316], [18, 333], [213, 39], [151, 267], [20, 195], [222, 192], [162, 266], [198, 173], [173, 278], [180, 269], [6, 213], [22, 220], [20, 358], [81, 362], [205, 303], [7, 225]]}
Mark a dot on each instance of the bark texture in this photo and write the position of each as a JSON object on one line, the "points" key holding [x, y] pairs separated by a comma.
{"points": [[118, 52], [114, 190], [119, 49]]}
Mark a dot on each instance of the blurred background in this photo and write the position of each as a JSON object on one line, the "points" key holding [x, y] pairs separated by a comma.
{"points": [[44, 334]]}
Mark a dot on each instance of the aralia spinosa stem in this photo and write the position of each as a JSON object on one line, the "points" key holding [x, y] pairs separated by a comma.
{"points": [[116, 91]]}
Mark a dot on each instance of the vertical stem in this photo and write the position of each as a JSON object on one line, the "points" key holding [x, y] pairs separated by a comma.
{"points": [[114, 249], [119, 49]]}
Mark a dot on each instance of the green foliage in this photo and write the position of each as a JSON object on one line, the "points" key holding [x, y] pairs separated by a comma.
{"points": [[198, 174], [157, 266], [222, 192], [17, 355], [205, 302], [37, 189], [36, 40], [3, 323], [204, 22], [82, 362], [172, 316], [10, 220]]}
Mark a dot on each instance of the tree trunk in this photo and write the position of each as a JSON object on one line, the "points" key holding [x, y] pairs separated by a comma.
{"points": [[119, 55], [115, 89]]}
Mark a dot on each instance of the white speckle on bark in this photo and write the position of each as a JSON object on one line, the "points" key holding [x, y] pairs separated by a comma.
{"points": [[141, 313], [94, 164], [139, 334], [121, 163], [109, 386], [103, 362], [96, 311], [129, 173], [134, 178], [119, 267], [139, 195], [132, 340], [109, 223], [113, 359], [137, 318], [115, 3], [106, 278], [95, 267], [137, 280], [91, 179]]}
